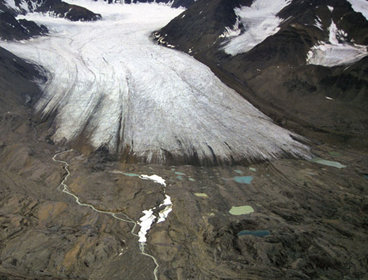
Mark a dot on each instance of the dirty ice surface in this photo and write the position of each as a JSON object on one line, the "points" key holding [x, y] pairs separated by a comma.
{"points": [[337, 51], [260, 21], [109, 81]]}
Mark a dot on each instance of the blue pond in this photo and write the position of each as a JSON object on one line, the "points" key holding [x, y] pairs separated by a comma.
{"points": [[243, 179], [180, 173], [258, 233], [131, 174]]}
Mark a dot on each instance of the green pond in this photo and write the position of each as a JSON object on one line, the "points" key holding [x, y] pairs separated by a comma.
{"points": [[243, 179], [203, 195], [241, 210]]}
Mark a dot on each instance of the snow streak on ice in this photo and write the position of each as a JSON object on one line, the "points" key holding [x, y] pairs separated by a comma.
{"points": [[109, 83], [259, 21], [337, 51]]}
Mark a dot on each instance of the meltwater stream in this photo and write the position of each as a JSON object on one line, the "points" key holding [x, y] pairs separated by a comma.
{"points": [[111, 85], [145, 222]]}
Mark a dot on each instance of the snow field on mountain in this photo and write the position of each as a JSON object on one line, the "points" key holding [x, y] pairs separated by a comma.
{"points": [[336, 51], [259, 21], [360, 6], [109, 83]]}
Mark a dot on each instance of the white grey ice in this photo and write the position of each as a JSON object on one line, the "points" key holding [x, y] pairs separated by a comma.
{"points": [[108, 81]]}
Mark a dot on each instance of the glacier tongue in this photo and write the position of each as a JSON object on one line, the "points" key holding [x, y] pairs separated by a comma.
{"points": [[111, 84]]}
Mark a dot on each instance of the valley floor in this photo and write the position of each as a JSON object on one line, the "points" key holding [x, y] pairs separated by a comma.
{"points": [[279, 219], [302, 220]]}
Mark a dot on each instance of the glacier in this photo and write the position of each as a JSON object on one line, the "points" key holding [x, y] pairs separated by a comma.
{"points": [[110, 84]]}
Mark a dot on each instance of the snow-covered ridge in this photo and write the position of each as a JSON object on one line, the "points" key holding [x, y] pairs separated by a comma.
{"points": [[110, 83], [337, 51], [259, 21]]}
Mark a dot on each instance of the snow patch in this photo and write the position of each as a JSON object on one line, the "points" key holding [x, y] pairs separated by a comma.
{"points": [[337, 51], [318, 23], [166, 211], [259, 21], [11, 5], [232, 31], [154, 178], [22, 6], [360, 6], [145, 223]]}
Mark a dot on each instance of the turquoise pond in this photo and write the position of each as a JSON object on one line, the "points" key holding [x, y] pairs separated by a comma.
{"points": [[258, 233], [179, 173], [365, 176], [131, 174], [243, 179]]}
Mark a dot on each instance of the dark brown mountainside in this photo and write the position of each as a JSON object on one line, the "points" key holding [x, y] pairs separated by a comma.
{"points": [[273, 75]]}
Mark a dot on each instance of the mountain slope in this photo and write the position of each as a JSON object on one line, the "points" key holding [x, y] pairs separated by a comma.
{"points": [[276, 74], [18, 82]]}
